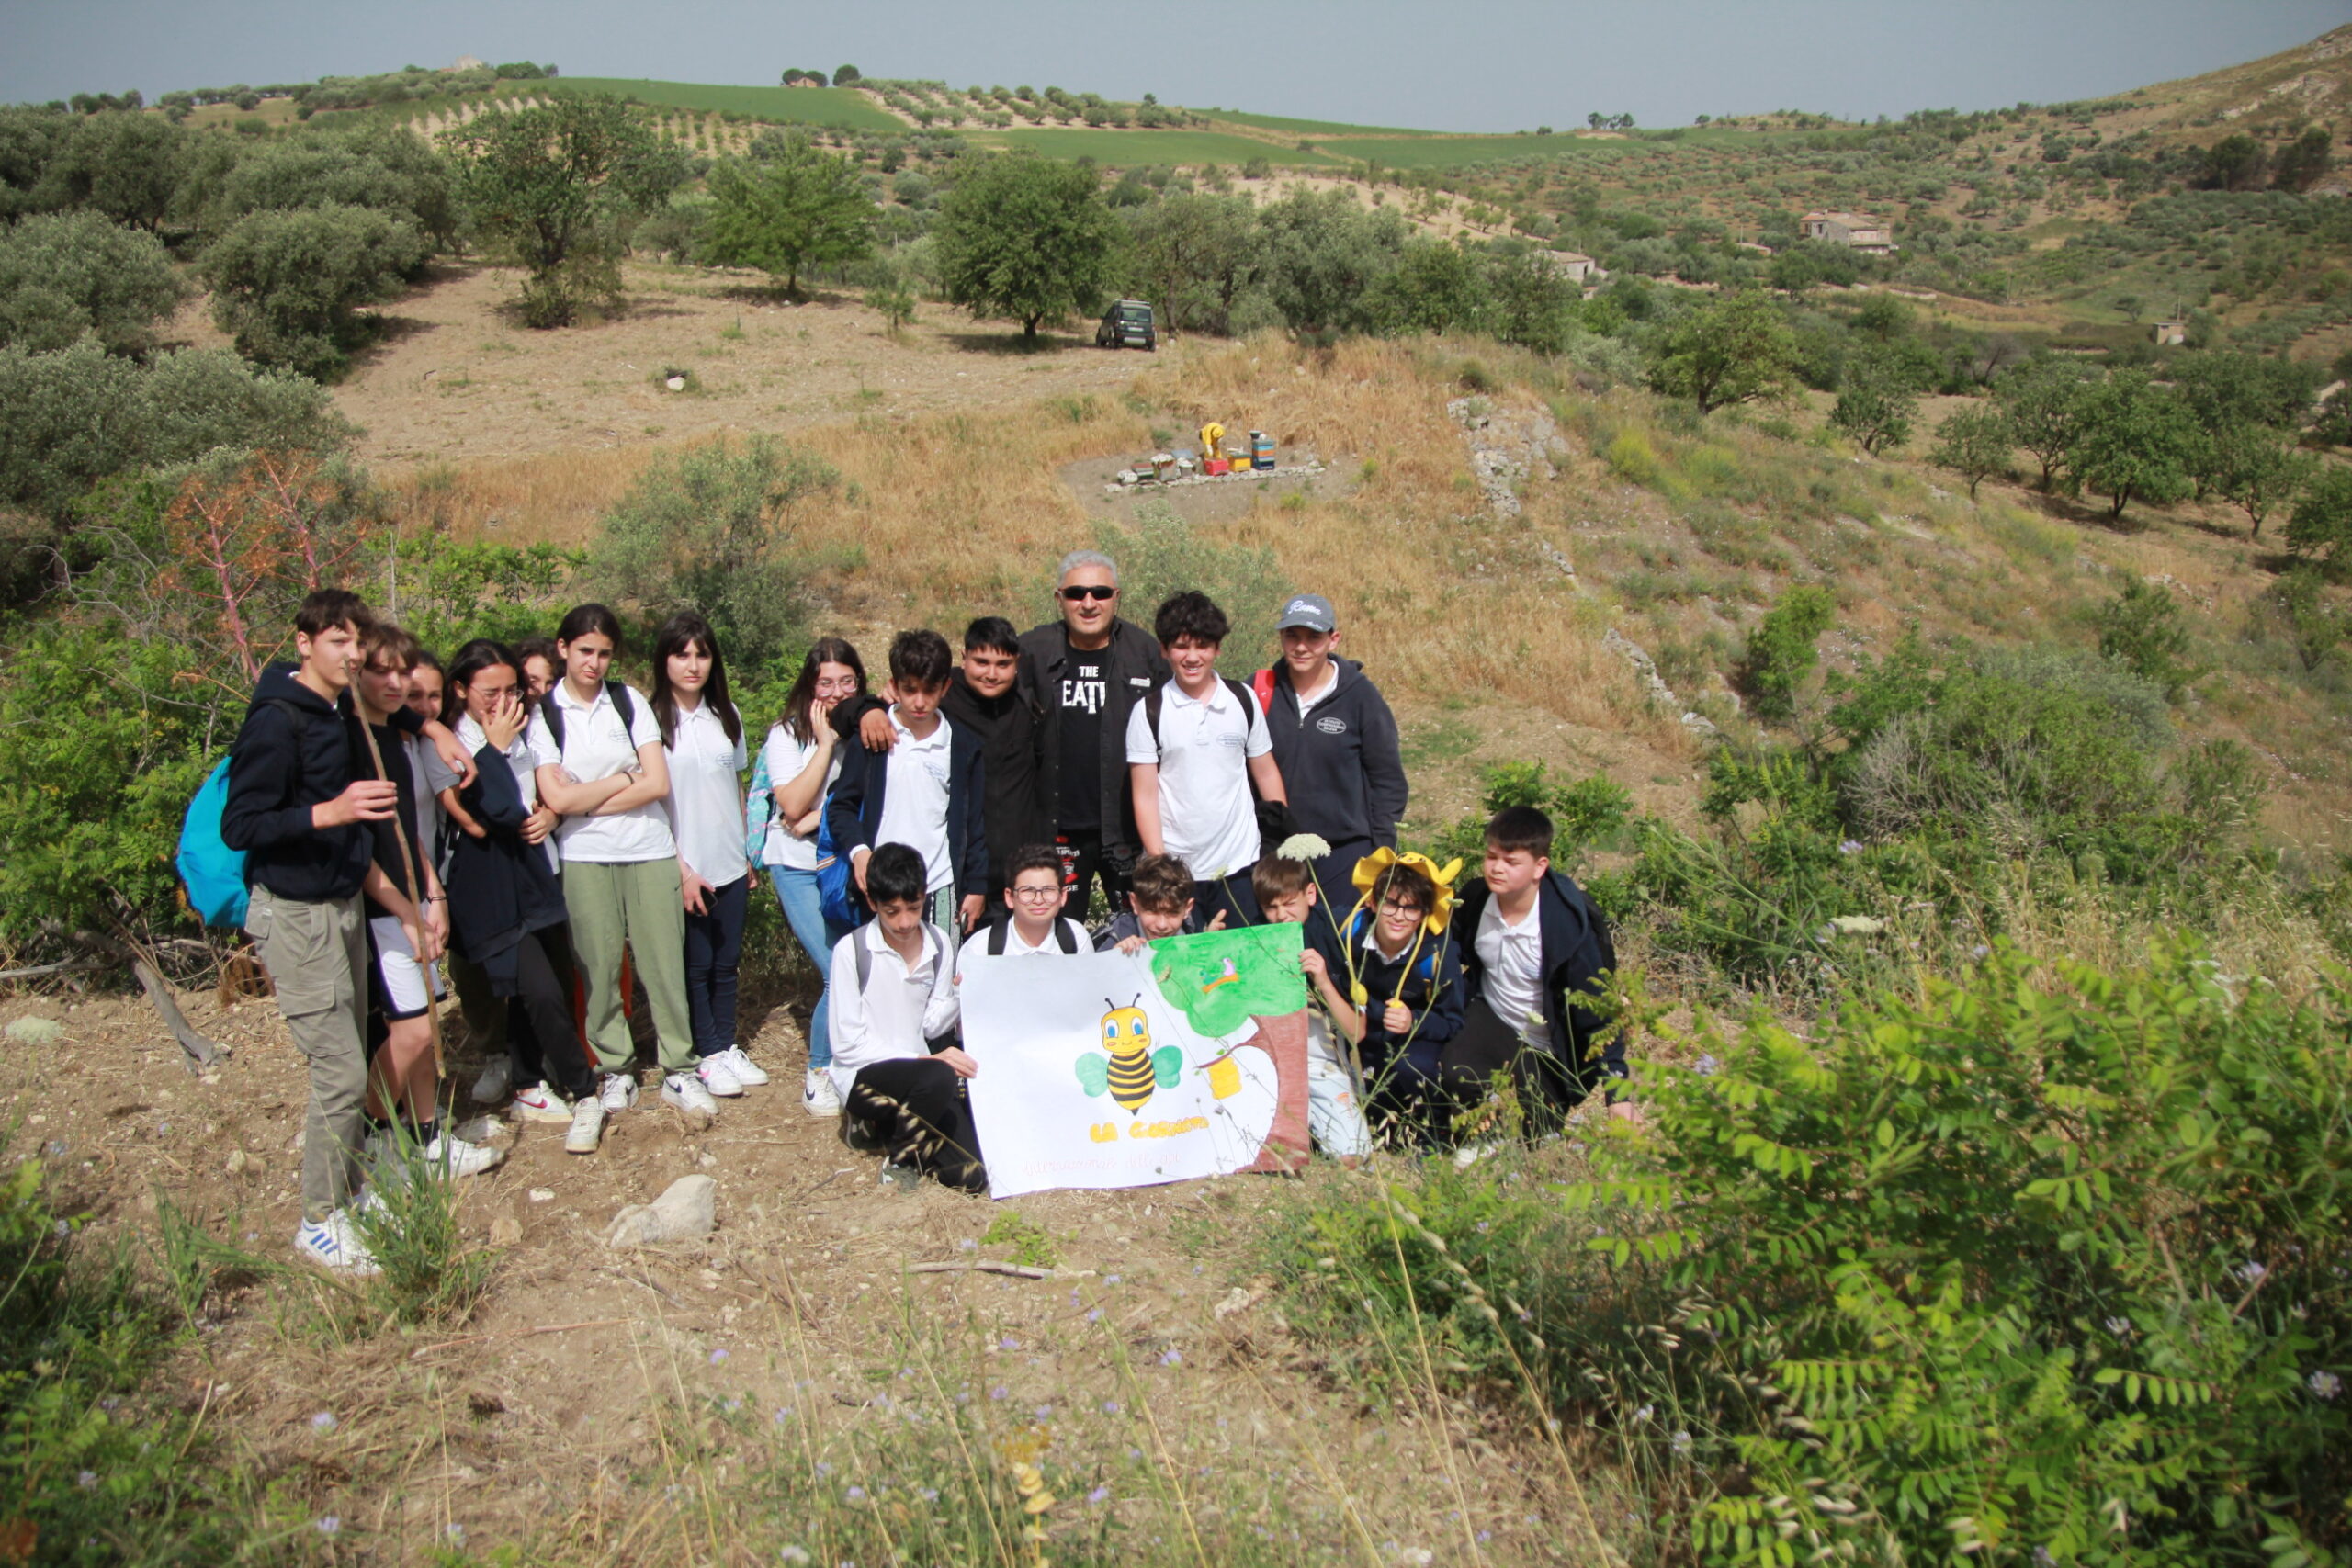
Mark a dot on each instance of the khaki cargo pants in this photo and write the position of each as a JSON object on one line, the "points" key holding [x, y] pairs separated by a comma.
{"points": [[317, 959]]}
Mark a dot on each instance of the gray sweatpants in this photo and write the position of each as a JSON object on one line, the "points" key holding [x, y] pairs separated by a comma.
{"points": [[317, 959]]}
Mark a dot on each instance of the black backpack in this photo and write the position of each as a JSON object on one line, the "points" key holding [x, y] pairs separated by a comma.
{"points": [[623, 705], [996, 938]]}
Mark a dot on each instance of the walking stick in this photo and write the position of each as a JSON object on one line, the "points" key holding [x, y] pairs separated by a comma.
{"points": [[408, 873]]}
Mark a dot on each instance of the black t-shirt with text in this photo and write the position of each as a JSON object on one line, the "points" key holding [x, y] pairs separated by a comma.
{"points": [[1085, 690]]}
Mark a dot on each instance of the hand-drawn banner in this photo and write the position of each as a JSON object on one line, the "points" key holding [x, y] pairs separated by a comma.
{"points": [[1110, 1069]]}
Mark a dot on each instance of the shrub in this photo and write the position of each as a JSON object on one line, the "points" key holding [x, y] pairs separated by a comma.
{"points": [[2316, 626], [288, 284], [2321, 529], [1631, 458], [1584, 813], [708, 529], [2046, 1257], [1781, 652], [1877, 402], [2141, 629], [71, 273]]}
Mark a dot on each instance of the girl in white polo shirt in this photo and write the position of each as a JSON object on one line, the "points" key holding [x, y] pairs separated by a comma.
{"points": [[702, 736], [602, 767]]}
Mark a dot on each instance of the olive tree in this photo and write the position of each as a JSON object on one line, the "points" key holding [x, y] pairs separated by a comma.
{"points": [[804, 207], [288, 284], [1733, 349], [1028, 238], [65, 274]]}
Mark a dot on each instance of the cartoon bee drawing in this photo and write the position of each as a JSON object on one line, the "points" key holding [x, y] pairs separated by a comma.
{"points": [[1126, 1067]]}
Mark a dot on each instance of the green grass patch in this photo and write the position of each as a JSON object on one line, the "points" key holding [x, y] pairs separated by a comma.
{"points": [[1454, 152], [1122, 149], [1313, 127], [842, 106]]}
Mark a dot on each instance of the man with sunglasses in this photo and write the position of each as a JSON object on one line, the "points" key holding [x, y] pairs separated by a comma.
{"points": [[1081, 674]]}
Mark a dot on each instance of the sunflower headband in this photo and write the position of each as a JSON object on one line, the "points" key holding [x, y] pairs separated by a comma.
{"points": [[1441, 910]]}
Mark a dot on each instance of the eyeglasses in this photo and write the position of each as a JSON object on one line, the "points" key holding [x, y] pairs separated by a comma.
{"points": [[1090, 590], [1036, 895], [1400, 906]]}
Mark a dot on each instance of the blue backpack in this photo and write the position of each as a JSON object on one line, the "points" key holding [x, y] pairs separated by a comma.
{"points": [[213, 874], [836, 888]]}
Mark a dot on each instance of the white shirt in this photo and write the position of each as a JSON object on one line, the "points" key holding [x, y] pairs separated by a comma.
{"points": [[1306, 705], [900, 1009], [1015, 946], [595, 745], [1207, 818], [1513, 957], [786, 759], [707, 796], [519, 762], [914, 799]]}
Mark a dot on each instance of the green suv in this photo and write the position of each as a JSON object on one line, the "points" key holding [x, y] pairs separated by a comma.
{"points": [[1128, 325]]}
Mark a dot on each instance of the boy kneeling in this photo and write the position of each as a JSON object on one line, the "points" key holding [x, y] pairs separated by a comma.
{"points": [[1286, 892], [892, 996], [1159, 905]]}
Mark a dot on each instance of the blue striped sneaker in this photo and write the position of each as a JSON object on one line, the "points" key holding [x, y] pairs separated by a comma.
{"points": [[333, 1242]]}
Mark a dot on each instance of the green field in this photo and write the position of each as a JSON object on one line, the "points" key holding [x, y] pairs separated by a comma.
{"points": [[1309, 126], [1455, 151], [1128, 149], [807, 106]]}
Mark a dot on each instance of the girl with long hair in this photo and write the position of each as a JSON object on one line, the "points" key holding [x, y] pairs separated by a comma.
{"points": [[801, 759], [702, 738], [602, 767]]}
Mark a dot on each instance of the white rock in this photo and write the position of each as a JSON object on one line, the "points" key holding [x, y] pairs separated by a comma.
{"points": [[542, 1195], [685, 1210], [236, 1161], [676, 383], [33, 1031]]}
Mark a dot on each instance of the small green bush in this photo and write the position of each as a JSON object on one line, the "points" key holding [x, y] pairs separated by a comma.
{"points": [[1781, 652], [1584, 813], [1631, 458], [2141, 629]]}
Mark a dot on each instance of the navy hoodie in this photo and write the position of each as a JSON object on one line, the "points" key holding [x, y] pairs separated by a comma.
{"points": [[1576, 947], [1341, 764], [292, 753]]}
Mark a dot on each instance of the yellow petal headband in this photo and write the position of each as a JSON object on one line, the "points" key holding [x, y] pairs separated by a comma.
{"points": [[1440, 913]]}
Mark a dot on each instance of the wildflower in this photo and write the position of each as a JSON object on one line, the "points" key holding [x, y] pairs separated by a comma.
{"points": [[967, 1245], [2119, 1327], [1111, 1280], [784, 1415], [63, 1227], [998, 1392], [930, 1494], [2041, 1558], [1100, 1494], [457, 1534], [1044, 1413], [1979, 951], [1094, 1315], [2327, 1385], [856, 1494], [1681, 1442], [1706, 1066], [1171, 1359], [1850, 846], [716, 1357], [1645, 1413], [330, 1525], [2252, 1273], [86, 1480], [1134, 1453], [322, 1422], [1482, 1227], [794, 1554], [1304, 846], [1007, 1343], [732, 1405], [1110, 1407], [823, 1468]]}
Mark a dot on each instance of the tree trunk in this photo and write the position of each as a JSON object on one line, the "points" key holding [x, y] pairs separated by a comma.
{"points": [[202, 1054]]}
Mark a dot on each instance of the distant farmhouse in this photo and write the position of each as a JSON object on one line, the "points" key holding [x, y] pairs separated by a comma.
{"points": [[1574, 264], [1852, 229]]}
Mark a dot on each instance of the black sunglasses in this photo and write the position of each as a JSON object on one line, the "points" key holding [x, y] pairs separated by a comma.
{"points": [[1089, 591]]}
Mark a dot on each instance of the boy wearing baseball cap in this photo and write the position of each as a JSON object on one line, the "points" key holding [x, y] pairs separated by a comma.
{"points": [[1335, 741]]}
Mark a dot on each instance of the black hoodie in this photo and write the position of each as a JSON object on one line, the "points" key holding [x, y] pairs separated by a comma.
{"points": [[1342, 765], [1577, 948], [292, 753]]}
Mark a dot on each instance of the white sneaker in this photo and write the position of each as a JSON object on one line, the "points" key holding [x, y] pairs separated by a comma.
{"points": [[491, 1087], [541, 1102], [685, 1091], [718, 1076], [333, 1242], [748, 1073], [452, 1155], [587, 1126], [618, 1094], [818, 1095]]}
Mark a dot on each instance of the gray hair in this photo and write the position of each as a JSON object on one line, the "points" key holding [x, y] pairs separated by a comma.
{"points": [[1077, 558]]}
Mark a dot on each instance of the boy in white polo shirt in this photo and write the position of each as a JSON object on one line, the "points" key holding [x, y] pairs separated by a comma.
{"points": [[1195, 748], [1032, 924], [924, 792], [899, 1071]]}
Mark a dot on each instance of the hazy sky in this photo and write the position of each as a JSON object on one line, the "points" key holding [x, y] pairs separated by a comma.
{"points": [[1470, 65]]}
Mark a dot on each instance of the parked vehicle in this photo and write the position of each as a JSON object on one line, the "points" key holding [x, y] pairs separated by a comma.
{"points": [[1128, 325]]}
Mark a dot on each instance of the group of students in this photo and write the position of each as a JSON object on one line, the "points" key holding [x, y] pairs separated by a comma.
{"points": [[542, 825]]}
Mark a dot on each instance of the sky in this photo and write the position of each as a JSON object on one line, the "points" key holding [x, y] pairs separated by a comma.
{"points": [[1470, 65]]}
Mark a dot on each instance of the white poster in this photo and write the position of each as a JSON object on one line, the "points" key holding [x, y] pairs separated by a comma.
{"points": [[1090, 1077]]}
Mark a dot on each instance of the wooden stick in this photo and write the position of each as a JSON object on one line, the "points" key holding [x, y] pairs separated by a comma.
{"points": [[409, 863], [998, 1265]]}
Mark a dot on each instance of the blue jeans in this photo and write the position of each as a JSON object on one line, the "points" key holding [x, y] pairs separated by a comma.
{"points": [[796, 894]]}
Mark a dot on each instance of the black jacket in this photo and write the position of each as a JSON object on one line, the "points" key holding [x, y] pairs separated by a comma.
{"points": [[1007, 727], [1341, 764], [294, 752], [854, 806], [500, 887], [1576, 947], [1134, 667]]}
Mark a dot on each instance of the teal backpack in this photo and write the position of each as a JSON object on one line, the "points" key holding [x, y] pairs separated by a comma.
{"points": [[213, 874]]}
